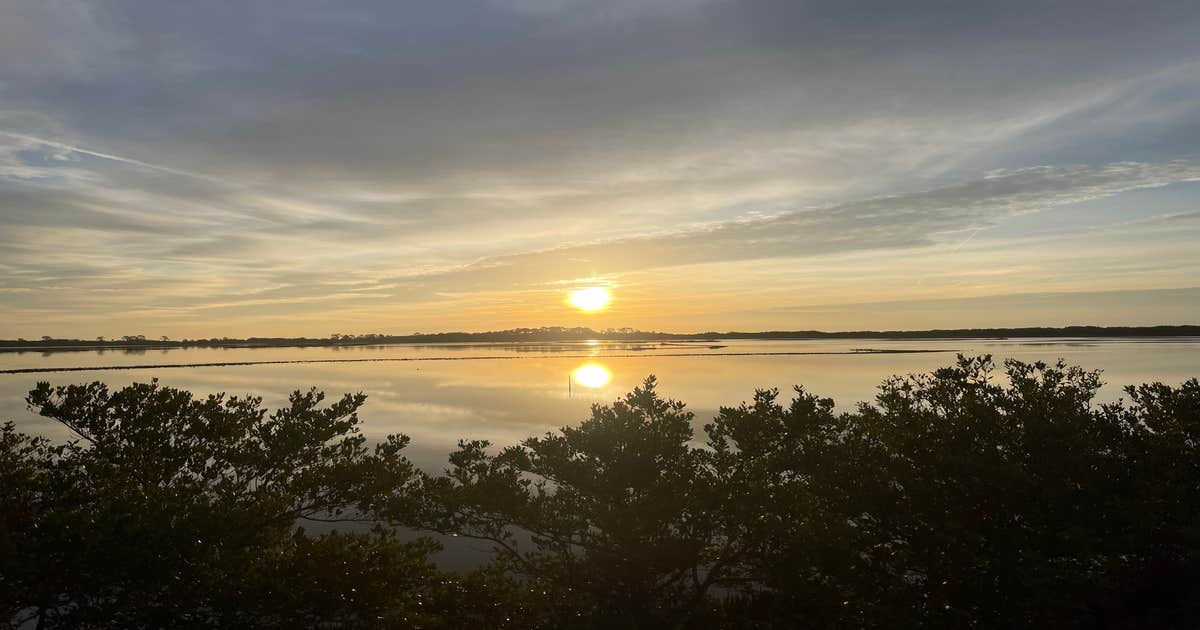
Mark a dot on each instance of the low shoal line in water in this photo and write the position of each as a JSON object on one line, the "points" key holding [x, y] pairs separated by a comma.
{"points": [[163, 366]]}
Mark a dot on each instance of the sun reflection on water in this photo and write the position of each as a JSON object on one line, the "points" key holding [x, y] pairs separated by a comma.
{"points": [[592, 375]]}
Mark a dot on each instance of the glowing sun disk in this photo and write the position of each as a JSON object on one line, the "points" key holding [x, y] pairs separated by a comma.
{"points": [[589, 299]]}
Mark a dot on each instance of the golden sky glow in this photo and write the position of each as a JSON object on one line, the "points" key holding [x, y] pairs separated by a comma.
{"points": [[741, 186]]}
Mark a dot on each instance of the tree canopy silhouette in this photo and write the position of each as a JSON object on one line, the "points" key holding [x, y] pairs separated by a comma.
{"points": [[168, 510], [617, 513], [965, 497]]}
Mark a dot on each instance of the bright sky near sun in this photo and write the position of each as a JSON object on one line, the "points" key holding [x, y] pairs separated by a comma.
{"points": [[302, 168]]}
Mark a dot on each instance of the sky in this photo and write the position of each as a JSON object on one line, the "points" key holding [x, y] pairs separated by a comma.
{"points": [[303, 168]]}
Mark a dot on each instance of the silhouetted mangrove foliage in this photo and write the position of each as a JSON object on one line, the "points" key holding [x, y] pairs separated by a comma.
{"points": [[958, 498]]}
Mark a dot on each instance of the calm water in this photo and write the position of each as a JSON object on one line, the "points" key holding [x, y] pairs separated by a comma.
{"points": [[505, 392]]}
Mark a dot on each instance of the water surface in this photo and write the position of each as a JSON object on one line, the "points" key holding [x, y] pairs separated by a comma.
{"points": [[438, 394]]}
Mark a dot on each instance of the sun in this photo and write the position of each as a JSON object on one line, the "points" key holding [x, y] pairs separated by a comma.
{"points": [[589, 298]]}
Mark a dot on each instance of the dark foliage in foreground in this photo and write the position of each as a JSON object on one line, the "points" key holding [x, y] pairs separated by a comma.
{"points": [[960, 498]]}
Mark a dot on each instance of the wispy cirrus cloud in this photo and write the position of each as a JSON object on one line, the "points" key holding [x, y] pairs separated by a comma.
{"points": [[892, 222]]}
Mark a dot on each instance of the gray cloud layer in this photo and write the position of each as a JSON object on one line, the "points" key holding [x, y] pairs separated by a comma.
{"points": [[180, 157]]}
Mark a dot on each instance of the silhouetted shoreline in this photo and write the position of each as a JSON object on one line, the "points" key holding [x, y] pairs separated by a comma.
{"points": [[560, 334]]}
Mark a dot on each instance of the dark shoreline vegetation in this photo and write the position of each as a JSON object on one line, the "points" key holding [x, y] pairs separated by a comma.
{"points": [[957, 498], [563, 334]]}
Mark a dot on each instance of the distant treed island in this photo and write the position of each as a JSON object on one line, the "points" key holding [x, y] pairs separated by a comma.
{"points": [[566, 334], [965, 497]]}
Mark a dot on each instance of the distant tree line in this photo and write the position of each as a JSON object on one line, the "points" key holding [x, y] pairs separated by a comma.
{"points": [[958, 498], [571, 334]]}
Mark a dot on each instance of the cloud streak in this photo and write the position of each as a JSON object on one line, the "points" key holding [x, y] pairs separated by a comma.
{"points": [[892, 222], [62, 146]]}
